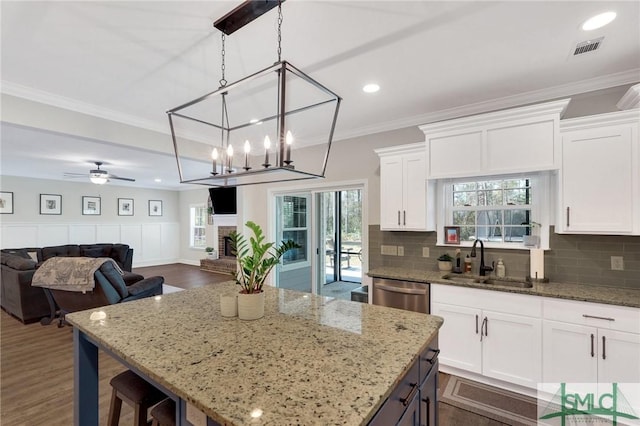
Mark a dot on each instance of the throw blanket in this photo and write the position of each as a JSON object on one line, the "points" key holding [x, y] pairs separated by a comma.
{"points": [[69, 273]]}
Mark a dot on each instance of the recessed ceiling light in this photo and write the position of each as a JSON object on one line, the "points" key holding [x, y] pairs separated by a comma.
{"points": [[371, 88], [598, 21], [158, 180]]}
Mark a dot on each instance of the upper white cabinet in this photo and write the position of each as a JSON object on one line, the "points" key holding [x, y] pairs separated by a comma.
{"points": [[599, 184], [511, 141], [403, 189]]}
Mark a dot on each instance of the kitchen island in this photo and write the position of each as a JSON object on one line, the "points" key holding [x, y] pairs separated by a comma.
{"points": [[310, 360]]}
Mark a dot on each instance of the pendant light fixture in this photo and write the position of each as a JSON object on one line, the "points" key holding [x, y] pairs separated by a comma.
{"points": [[268, 116]]}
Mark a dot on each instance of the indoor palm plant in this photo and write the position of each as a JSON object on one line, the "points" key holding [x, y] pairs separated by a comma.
{"points": [[256, 258]]}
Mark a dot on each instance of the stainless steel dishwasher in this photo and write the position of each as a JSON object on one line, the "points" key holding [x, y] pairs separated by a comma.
{"points": [[407, 295]]}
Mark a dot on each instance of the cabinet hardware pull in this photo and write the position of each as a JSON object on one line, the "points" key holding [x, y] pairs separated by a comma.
{"points": [[427, 402], [476, 323], [407, 400], [592, 354], [398, 217], [484, 322], [486, 327], [604, 348], [567, 217], [404, 217], [595, 317], [433, 358]]}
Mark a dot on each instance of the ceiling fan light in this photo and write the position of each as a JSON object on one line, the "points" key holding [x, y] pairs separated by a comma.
{"points": [[98, 178]]}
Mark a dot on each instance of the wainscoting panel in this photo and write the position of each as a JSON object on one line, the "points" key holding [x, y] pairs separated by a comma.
{"points": [[19, 236], [153, 244], [82, 234]]}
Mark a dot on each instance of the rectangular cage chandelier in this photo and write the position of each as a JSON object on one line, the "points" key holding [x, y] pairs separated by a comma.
{"points": [[251, 131]]}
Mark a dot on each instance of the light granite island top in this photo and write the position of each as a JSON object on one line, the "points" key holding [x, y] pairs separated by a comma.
{"points": [[309, 360]]}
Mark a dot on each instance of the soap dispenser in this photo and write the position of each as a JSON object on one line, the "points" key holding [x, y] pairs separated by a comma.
{"points": [[500, 270]]}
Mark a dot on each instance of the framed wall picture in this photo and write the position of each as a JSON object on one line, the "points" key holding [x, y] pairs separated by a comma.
{"points": [[91, 205], [6, 202], [125, 206], [155, 207], [50, 204], [452, 235]]}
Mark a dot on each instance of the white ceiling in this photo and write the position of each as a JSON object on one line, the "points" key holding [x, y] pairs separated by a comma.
{"points": [[132, 61]]}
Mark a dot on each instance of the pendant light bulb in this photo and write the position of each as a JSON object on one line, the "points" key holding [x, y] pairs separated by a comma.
{"points": [[214, 154], [267, 142], [230, 151], [289, 138], [247, 147]]}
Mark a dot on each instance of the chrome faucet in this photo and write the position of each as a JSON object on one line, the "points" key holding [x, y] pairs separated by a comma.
{"points": [[483, 269]]}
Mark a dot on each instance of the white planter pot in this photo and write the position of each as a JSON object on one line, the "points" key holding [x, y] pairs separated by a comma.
{"points": [[445, 266], [251, 306]]}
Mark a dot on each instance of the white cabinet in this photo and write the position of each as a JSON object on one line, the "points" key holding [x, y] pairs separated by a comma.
{"points": [[599, 187], [588, 343], [497, 335], [403, 189], [516, 140]]}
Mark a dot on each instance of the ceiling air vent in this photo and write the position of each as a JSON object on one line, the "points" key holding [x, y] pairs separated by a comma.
{"points": [[587, 46]]}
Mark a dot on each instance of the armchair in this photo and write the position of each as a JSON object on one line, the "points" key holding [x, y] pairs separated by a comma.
{"points": [[110, 288]]}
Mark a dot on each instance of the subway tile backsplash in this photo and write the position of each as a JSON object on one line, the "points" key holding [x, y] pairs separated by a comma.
{"points": [[584, 259]]}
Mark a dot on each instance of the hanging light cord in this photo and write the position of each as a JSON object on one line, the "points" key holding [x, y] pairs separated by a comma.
{"points": [[279, 31], [223, 81]]}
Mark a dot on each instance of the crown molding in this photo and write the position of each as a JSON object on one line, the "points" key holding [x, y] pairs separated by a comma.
{"points": [[631, 99], [526, 98]]}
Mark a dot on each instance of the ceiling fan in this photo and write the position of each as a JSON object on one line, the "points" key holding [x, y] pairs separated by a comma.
{"points": [[98, 176]]}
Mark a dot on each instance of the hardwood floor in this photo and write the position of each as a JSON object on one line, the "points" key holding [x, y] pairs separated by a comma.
{"points": [[36, 367]]}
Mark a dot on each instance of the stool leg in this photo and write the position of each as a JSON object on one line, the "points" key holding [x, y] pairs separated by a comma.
{"points": [[140, 415], [114, 409]]}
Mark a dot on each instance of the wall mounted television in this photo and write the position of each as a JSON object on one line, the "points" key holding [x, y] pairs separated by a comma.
{"points": [[224, 200]]}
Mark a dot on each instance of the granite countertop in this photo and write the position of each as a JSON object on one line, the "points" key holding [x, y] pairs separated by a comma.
{"points": [[586, 293], [310, 360]]}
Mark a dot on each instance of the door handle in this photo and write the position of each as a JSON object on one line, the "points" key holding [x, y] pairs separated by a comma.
{"points": [[407, 400], [592, 354], [401, 290], [433, 358], [484, 322], [604, 348], [476, 323], [595, 317], [486, 327], [398, 217], [567, 217], [404, 217], [427, 404]]}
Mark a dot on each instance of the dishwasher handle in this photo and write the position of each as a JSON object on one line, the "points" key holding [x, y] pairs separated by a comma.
{"points": [[402, 290]]}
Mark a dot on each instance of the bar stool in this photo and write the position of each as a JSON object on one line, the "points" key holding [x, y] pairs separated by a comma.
{"points": [[135, 391], [164, 414]]}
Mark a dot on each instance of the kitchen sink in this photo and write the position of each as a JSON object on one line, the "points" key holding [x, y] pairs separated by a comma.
{"points": [[505, 282]]}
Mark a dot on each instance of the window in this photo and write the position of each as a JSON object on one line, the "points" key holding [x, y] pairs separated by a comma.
{"points": [[197, 231], [295, 224], [499, 210]]}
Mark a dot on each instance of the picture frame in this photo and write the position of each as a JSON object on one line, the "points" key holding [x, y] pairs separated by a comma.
{"points": [[91, 205], [125, 206], [6, 202], [51, 204], [452, 235], [155, 207]]}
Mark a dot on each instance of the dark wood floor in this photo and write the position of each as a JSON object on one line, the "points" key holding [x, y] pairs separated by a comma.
{"points": [[36, 367]]}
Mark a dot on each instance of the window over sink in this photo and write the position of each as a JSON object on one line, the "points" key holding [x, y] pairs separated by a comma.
{"points": [[502, 211]]}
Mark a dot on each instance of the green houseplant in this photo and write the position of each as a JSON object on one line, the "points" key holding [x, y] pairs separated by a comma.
{"points": [[445, 262], [256, 258]]}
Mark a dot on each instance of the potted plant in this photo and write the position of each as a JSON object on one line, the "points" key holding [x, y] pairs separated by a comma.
{"points": [[256, 258], [209, 251], [445, 263]]}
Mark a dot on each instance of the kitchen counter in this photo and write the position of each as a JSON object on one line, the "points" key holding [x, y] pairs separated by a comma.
{"points": [[586, 293], [310, 360]]}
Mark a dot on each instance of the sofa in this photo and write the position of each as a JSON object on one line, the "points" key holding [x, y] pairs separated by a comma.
{"points": [[30, 304]]}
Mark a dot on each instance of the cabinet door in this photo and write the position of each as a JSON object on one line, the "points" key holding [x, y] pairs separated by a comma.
{"points": [[414, 212], [429, 399], [459, 337], [618, 357], [391, 177], [569, 353], [511, 348], [411, 417], [597, 175]]}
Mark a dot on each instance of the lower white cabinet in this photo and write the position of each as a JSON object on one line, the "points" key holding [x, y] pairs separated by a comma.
{"points": [[483, 333], [580, 347]]}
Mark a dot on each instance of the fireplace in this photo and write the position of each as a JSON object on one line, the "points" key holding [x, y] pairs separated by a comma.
{"points": [[224, 242]]}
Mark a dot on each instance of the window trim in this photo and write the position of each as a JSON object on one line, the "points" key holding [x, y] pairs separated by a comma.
{"points": [[192, 226], [303, 263], [540, 207]]}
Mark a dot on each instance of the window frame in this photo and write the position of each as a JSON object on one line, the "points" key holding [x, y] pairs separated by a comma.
{"points": [[192, 226], [301, 263], [539, 206]]}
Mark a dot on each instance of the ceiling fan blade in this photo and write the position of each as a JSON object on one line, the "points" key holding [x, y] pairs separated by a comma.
{"points": [[121, 178], [75, 175]]}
